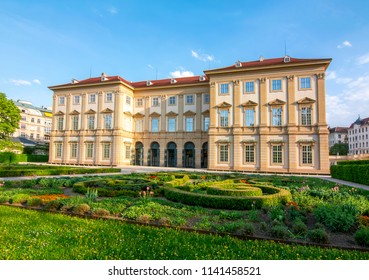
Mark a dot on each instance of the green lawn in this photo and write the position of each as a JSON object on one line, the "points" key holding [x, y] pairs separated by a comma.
{"points": [[27, 234]]}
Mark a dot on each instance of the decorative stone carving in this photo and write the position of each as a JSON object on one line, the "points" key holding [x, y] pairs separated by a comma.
{"points": [[262, 80], [291, 77], [320, 75], [236, 82], [212, 84]]}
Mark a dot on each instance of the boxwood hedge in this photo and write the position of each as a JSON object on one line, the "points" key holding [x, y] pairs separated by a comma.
{"points": [[358, 173], [237, 191]]}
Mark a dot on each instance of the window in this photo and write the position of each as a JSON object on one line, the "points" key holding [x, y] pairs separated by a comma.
{"points": [[58, 150], [277, 154], [32, 120], [106, 153], [38, 136], [306, 116], [307, 154], [109, 97], [31, 136], [249, 117], [128, 100], [92, 98], [206, 123], [91, 122], [155, 101], [224, 88], [24, 118], [305, 83], [38, 121], [73, 150], [171, 125], [206, 98], [90, 150], [75, 122], [250, 153], [23, 134], [155, 125], [223, 153], [61, 100], [139, 102], [60, 123], [249, 87], [139, 124], [189, 99], [224, 118], [172, 100], [128, 152], [76, 99], [23, 126], [277, 116], [189, 124], [108, 121], [276, 85]]}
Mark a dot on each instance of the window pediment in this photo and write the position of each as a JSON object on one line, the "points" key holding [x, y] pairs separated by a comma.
{"points": [[276, 102], [206, 112], [154, 115], [74, 113], [189, 113], [60, 113], [249, 104], [128, 113], [224, 105], [107, 111], [171, 114], [223, 141], [306, 100], [90, 112], [138, 115]]}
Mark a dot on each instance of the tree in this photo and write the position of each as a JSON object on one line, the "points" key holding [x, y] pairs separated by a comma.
{"points": [[9, 117], [341, 148]]}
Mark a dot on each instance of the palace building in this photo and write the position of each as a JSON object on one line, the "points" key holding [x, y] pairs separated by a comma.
{"points": [[260, 116]]}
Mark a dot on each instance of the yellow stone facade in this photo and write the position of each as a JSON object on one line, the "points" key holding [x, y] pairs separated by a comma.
{"points": [[259, 116]]}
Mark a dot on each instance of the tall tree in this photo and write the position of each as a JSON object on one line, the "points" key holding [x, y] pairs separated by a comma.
{"points": [[341, 149], [9, 117]]}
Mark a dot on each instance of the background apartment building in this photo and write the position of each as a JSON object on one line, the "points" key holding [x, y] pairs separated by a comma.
{"points": [[358, 135], [261, 116], [338, 135]]}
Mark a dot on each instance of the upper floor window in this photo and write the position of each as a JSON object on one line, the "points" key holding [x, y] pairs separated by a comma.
{"points": [[276, 85], [32, 120], [277, 116], [305, 83], [75, 122], [249, 117], [61, 100], [171, 125], [61, 123], [189, 124], [189, 99], [154, 125], [128, 100], [306, 116], [224, 88], [249, 87], [224, 118], [108, 121], [155, 101], [139, 102], [92, 98], [109, 97], [172, 100], [206, 98], [91, 122], [206, 123], [76, 99], [38, 121], [139, 125]]}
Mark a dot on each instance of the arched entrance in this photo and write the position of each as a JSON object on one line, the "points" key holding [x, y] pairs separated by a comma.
{"points": [[204, 155], [171, 155], [154, 154], [139, 155], [189, 155]]}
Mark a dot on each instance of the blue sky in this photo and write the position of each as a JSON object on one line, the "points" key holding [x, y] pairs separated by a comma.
{"points": [[49, 42]]}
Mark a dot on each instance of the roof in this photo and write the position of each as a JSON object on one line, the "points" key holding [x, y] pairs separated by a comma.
{"points": [[171, 81], [338, 129], [360, 122], [31, 109]]}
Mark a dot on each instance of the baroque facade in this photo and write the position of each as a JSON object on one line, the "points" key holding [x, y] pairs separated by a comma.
{"points": [[260, 116]]}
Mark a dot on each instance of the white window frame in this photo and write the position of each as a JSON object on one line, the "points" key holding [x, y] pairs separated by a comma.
{"points": [[189, 124], [247, 87], [224, 88], [223, 153]]}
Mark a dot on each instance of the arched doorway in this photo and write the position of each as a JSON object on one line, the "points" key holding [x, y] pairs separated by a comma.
{"points": [[171, 155], [189, 155], [139, 155], [204, 155], [154, 154]]}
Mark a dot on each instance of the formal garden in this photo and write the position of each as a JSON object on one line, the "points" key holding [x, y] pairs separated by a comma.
{"points": [[183, 216]]}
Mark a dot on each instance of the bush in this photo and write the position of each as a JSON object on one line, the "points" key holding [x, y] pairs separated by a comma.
{"points": [[4, 198], [362, 236], [299, 227], [276, 213], [81, 209], [238, 191], [34, 202], [20, 198], [100, 212], [318, 235], [279, 231], [54, 205], [354, 172]]}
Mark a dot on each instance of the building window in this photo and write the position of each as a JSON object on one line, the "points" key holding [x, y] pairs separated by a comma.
{"points": [[206, 123], [189, 99], [171, 125], [277, 116], [306, 115], [58, 150], [38, 136], [139, 102], [109, 97], [155, 125], [24, 118], [73, 150], [128, 100], [108, 121], [139, 125], [106, 153], [224, 118], [224, 88], [223, 152], [250, 153], [61, 123], [305, 83], [128, 152], [249, 117], [307, 154], [249, 87], [277, 154], [189, 124], [92, 98], [276, 85], [23, 134], [31, 136], [172, 100], [76, 99], [32, 120], [38, 121], [91, 122], [155, 101], [75, 122], [90, 150], [23, 126], [206, 98], [61, 100]]}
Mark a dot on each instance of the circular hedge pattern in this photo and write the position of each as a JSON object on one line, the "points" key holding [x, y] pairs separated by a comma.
{"points": [[237, 191]]}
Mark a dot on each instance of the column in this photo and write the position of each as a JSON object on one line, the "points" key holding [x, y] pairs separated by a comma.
{"points": [[321, 99], [81, 150], [99, 116], [291, 106], [147, 113], [263, 145], [163, 124], [180, 113], [198, 116], [67, 112], [212, 148], [83, 110], [236, 104], [118, 110]]}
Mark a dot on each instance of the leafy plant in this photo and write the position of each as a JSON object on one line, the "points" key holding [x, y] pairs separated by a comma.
{"points": [[280, 231], [318, 235], [362, 236], [91, 194]]}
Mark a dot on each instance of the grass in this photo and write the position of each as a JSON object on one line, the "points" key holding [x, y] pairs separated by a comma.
{"points": [[31, 235]]}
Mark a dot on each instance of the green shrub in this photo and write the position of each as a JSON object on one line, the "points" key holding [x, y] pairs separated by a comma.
{"points": [[81, 209], [354, 172], [318, 235], [54, 205], [276, 213], [34, 202], [299, 227], [100, 212], [280, 231], [91, 194], [362, 236], [238, 191], [4, 198], [20, 198]]}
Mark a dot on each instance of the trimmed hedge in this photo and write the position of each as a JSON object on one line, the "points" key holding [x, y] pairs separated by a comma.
{"points": [[177, 182], [229, 202], [57, 171], [9, 158], [353, 162], [238, 191], [354, 173]]}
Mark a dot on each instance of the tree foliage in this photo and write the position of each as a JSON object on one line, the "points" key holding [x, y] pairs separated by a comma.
{"points": [[9, 117], [341, 148]]}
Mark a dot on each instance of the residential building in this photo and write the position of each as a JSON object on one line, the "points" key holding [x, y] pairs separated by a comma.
{"points": [[338, 135], [358, 136], [260, 116], [35, 123]]}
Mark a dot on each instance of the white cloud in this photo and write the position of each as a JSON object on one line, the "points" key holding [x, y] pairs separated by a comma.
{"points": [[181, 73], [113, 10], [36, 81], [344, 44], [202, 57], [364, 59], [21, 82], [331, 75]]}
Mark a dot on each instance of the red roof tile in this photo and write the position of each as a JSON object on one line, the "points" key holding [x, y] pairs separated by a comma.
{"points": [[167, 82]]}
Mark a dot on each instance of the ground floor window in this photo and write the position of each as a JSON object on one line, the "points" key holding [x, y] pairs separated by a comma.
{"points": [[223, 152], [89, 150], [128, 152], [250, 153], [106, 153], [277, 154], [73, 150], [307, 154], [58, 150]]}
